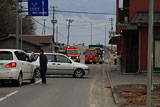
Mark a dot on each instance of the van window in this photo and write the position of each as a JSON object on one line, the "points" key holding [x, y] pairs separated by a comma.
{"points": [[62, 59], [22, 56], [50, 57], [6, 55]]}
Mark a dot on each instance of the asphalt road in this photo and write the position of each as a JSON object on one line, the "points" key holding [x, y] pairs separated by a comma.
{"points": [[60, 91]]}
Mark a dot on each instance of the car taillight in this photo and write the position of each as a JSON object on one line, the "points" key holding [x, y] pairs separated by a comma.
{"points": [[10, 65]]}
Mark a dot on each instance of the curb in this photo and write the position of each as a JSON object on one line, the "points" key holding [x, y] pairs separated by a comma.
{"points": [[116, 100]]}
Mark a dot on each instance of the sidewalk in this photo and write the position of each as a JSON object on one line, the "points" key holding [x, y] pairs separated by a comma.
{"points": [[119, 78], [129, 90], [101, 95]]}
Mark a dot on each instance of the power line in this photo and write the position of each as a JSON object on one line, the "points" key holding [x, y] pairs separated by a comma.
{"points": [[80, 12], [77, 12]]}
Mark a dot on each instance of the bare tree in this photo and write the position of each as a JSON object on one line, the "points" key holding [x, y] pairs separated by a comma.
{"points": [[8, 20]]}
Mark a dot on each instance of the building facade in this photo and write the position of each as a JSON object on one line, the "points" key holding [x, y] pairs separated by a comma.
{"points": [[132, 27], [29, 43]]}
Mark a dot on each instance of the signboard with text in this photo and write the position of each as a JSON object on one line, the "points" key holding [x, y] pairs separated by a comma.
{"points": [[37, 7]]}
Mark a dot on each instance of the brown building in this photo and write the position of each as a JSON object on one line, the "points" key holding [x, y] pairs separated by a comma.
{"points": [[132, 28], [29, 42]]}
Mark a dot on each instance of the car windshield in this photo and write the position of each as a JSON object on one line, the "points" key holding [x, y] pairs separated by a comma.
{"points": [[72, 52], [91, 52], [5, 55]]}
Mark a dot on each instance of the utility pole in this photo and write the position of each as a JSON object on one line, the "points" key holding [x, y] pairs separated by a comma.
{"points": [[57, 34], [17, 24], [69, 22], [44, 27], [150, 52], [105, 36], [53, 21], [91, 33], [111, 31], [111, 20]]}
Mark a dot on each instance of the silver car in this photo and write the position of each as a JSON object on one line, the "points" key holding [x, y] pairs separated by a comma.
{"points": [[59, 64]]}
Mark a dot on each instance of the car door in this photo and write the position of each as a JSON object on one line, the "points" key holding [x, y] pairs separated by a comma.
{"points": [[29, 65], [51, 66], [64, 65], [24, 63]]}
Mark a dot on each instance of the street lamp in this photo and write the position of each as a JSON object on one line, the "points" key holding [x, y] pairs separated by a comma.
{"points": [[91, 29]]}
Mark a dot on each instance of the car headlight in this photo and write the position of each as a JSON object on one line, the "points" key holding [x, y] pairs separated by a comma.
{"points": [[77, 57]]}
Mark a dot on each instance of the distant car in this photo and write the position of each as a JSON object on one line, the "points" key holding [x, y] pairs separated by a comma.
{"points": [[59, 64], [15, 66]]}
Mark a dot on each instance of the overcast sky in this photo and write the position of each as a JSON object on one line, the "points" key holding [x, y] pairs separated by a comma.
{"points": [[80, 28]]}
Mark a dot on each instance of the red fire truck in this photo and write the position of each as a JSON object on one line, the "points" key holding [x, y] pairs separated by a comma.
{"points": [[91, 56], [72, 53]]}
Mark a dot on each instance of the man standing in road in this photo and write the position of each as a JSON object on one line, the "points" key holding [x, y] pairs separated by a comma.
{"points": [[43, 66]]}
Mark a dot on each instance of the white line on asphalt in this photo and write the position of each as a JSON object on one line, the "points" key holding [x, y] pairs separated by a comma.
{"points": [[3, 98], [36, 82], [92, 105], [91, 90]]}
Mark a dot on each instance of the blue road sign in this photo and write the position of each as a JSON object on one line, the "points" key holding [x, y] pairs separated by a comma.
{"points": [[38, 7]]}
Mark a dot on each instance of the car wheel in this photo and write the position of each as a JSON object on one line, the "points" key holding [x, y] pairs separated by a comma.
{"points": [[79, 73], [38, 74], [33, 78], [19, 81]]}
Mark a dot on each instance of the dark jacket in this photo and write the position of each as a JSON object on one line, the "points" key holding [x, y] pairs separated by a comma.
{"points": [[43, 61]]}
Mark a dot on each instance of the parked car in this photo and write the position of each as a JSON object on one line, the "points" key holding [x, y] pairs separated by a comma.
{"points": [[15, 66], [59, 64]]}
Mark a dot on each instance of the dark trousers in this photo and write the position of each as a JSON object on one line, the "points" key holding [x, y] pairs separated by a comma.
{"points": [[43, 74]]}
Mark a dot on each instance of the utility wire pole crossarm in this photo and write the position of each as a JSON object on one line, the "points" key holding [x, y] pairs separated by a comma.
{"points": [[69, 22]]}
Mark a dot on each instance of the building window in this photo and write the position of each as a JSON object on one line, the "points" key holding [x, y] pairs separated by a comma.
{"points": [[157, 51]]}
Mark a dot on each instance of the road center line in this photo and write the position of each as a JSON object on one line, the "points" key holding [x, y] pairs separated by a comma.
{"points": [[3, 98]]}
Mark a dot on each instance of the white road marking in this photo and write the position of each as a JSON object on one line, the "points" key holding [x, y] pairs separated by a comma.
{"points": [[3, 98], [92, 105], [91, 90], [36, 82]]}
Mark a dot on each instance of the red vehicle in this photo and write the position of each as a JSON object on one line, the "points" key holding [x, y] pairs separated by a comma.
{"points": [[72, 53], [90, 56]]}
